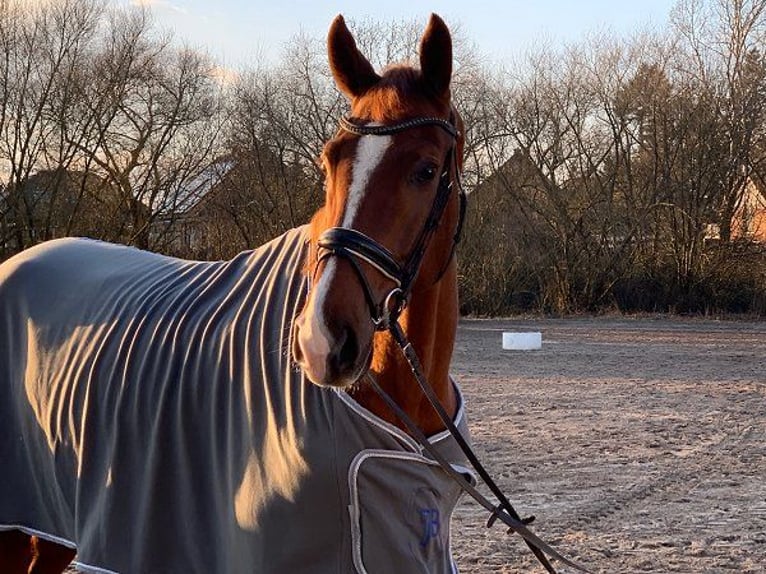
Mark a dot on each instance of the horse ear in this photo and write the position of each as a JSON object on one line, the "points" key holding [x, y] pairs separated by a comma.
{"points": [[353, 73], [436, 56]]}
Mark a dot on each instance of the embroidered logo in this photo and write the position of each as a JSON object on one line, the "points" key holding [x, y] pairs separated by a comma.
{"points": [[431, 522]]}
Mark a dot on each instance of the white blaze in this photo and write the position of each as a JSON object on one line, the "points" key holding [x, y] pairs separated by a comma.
{"points": [[369, 153], [314, 337]]}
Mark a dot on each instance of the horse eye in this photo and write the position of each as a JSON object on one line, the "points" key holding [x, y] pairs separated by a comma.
{"points": [[425, 173]]}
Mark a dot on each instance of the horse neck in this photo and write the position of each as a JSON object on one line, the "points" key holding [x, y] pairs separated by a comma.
{"points": [[429, 322]]}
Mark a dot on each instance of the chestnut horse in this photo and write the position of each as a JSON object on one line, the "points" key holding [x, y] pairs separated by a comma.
{"points": [[151, 419], [384, 187]]}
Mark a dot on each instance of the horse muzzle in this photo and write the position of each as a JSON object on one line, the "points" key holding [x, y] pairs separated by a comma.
{"points": [[332, 353]]}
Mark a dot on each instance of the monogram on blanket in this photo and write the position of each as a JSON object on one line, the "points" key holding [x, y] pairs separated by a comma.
{"points": [[150, 415]]}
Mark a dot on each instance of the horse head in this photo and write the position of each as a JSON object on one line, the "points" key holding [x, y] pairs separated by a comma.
{"points": [[391, 213]]}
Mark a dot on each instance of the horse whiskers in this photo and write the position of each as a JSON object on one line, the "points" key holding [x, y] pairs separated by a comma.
{"points": [[356, 386]]}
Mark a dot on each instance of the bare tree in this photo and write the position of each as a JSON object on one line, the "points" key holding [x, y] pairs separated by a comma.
{"points": [[599, 171], [102, 123], [623, 157], [155, 131], [561, 187], [41, 46], [723, 39]]}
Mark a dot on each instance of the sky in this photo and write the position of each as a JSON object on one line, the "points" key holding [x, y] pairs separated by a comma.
{"points": [[243, 32]]}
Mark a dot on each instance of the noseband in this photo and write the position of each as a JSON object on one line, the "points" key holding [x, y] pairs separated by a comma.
{"points": [[354, 245]]}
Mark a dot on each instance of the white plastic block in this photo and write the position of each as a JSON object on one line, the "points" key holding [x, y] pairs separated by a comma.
{"points": [[522, 341]]}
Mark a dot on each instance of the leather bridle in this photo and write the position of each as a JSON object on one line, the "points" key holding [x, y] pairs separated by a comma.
{"points": [[354, 246]]}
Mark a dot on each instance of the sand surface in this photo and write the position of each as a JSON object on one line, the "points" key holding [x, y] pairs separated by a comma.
{"points": [[640, 445]]}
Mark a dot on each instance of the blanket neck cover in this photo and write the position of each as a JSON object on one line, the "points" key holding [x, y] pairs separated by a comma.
{"points": [[151, 417]]}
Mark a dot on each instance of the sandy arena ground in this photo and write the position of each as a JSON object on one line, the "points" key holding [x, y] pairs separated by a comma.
{"points": [[640, 445]]}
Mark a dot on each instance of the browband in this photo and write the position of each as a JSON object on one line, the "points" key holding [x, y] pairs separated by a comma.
{"points": [[383, 130]]}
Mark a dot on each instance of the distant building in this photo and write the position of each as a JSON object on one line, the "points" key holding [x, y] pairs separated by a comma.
{"points": [[182, 222], [236, 203], [749, 221]]}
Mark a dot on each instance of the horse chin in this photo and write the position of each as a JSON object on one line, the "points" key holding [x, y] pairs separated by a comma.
{"points": [[317, 370]]}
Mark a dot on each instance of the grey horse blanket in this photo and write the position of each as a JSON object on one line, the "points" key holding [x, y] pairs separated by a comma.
{"points": [[150, 416]]}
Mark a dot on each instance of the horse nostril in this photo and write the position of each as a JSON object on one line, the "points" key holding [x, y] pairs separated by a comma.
{"points": [[343, 361], [349, 350]]}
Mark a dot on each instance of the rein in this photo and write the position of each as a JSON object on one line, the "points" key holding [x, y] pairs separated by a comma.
{"points": [[353, 245]]}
